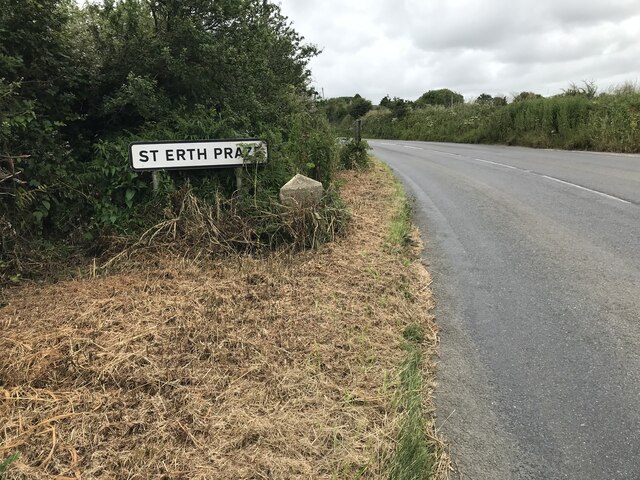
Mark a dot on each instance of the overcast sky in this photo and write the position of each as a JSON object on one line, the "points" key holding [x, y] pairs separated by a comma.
{"points": [[406, 47]]}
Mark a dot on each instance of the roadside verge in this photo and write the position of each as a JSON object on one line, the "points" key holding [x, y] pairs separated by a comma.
{"points": [[314, 366]]}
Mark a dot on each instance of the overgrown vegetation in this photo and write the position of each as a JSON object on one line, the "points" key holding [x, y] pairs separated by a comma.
{"points": [[197, 227], [578, 118], [353, 154], [78, 84], [242, 367]]}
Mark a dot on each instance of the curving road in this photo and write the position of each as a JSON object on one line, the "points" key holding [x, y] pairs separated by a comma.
{"points": [[535, 256]]}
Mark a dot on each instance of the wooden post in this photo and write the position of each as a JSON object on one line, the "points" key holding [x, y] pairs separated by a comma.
{"points": [[155, 177], [358, 135], [238, 172]]}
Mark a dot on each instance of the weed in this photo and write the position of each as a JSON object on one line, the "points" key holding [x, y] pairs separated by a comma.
{"points": [[196, 228], [6, 463]]}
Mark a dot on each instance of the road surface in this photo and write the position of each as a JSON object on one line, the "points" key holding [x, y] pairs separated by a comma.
{"points": [[535, 256]]}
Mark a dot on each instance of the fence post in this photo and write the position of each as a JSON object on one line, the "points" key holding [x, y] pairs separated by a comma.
{"points": [[358, 135], [238, 172]]}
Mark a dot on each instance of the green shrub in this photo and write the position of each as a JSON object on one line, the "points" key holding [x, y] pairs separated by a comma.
{"points": [[311, 147], [354, 154]]}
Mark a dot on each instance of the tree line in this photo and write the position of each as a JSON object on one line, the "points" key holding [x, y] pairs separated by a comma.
{"points": [[580, 117]]}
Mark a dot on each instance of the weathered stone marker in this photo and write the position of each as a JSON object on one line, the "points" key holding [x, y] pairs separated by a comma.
{"points": [[301, 191]]}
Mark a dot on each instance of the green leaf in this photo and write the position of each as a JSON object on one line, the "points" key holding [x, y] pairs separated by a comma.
{"points": [[4, 465], [128, 197]]}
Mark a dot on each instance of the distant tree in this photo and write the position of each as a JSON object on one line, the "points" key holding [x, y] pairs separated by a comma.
{"points": [[336, 108], [526, 96], [588, 89], [359, 106], [499, 101], [443, 96], [398, 106], [484, 98], [386, 101]]}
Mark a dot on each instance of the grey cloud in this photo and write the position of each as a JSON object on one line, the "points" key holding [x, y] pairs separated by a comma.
{"points": [[406, 47], [568, 12]]}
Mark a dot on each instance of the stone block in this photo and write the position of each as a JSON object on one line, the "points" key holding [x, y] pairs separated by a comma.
{"points": [[301, 191]]}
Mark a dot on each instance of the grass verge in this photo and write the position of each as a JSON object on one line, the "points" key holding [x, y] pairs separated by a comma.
{"points": [[414, 457], [400, 234], [284, 366], [419, 452]]}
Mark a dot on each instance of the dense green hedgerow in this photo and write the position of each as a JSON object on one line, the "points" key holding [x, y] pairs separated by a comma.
{"points": [[78, 84], [574, 120]]}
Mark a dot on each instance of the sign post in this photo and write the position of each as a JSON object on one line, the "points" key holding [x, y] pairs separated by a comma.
{"points": [[238, 172], [156, 180]]}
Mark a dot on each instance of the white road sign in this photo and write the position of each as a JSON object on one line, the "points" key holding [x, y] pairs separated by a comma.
{"points": [[196, 154]]}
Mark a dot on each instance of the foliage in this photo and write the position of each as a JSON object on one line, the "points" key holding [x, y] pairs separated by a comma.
{"points": [[79, 83], [576, 119], [359, 106], [522, 96], [398, 106], [247, 223], [443, 97], [340, 108], [336, 108], [488, 99], [588, 89], [311, 146], [353, 154]]}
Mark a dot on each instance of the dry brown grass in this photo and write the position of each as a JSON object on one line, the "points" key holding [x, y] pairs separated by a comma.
{"points": [[245, 368]]}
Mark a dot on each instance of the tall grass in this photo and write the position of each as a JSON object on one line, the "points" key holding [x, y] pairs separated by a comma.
{"points": [[608, 122], [413, 458], [399, 237]]}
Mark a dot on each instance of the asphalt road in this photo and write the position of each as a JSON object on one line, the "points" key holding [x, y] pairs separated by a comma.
{"points": [[535, 256]]}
